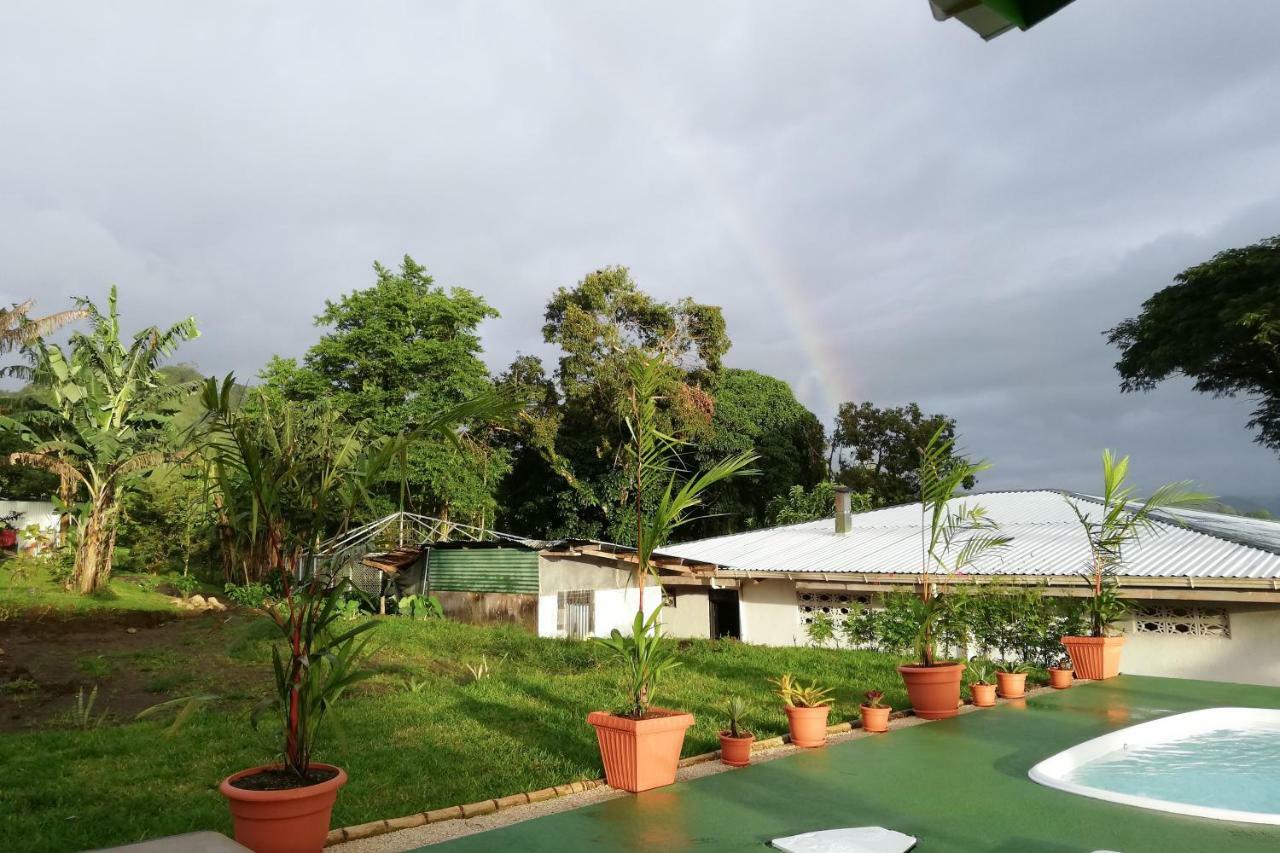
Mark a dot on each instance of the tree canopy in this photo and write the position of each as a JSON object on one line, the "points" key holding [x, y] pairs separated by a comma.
{"points": [[876, 450], [396, 353], [1219, 324]]}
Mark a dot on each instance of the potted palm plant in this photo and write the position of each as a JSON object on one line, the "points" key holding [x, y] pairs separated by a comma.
{"points": [[981, 687], [875, 714], [640, 745], [735, 741], [1121, 520], [807, 709], [1060, 675], [1011, 679], [952, 539]]}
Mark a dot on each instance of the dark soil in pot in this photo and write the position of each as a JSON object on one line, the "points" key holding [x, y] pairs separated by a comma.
{"points": [[282, 780]]}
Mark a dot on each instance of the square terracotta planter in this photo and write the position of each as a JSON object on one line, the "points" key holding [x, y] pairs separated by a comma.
{"points": [[1094, 658], [640, 754]]}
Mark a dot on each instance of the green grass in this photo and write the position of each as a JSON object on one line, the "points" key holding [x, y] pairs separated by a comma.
{"points": [[454, 741], [25, 587]]}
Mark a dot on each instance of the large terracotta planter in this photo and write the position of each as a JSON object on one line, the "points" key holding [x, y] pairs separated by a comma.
{"points": [[934, 690], [295, 820], [1012, 685], [984, 695], [875, 719], [1059, 679], [640, 754], [736, 751], [808, 725], [1094, 658]]}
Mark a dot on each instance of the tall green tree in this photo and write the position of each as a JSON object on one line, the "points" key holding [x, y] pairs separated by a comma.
{"points": [[602, 325], [1219, 324], [396, 353], [876, 450], [755, 413], [106, 424]]}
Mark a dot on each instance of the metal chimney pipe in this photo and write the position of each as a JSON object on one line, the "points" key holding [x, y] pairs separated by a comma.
{"points": [[844, 518]]}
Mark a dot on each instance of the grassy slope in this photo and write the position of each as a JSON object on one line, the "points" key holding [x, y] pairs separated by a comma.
{"points": [[451, 742], [31, 589]]}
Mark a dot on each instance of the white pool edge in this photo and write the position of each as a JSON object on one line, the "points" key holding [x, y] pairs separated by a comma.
{"points": [[1052, 771]]}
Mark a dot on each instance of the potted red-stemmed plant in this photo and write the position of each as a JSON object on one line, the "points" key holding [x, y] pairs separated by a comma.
{"points": [[980, 686], [1061, 675], [953, 538], [1011, 679], [875, 714], [1120, 520], [735, 741], [807, 709], [284, 477], [286, 807]]}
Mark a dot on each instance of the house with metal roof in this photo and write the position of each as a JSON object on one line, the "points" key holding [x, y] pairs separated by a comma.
{"points": [[556, 588], [1205, 587]]}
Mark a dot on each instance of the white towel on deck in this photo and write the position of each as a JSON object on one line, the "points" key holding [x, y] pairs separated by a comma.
{"points": [[858, 839]]}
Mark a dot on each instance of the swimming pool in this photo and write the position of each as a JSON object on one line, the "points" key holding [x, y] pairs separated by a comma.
{"points": [[1220, 763]]}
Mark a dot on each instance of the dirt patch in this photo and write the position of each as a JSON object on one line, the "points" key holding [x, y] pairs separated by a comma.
{"points": [[134, 658]]}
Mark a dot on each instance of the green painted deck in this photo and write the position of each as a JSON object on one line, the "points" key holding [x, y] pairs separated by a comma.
{"points": [[958, 785]]}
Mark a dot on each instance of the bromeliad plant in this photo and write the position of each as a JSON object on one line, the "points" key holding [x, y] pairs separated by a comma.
{"points": [[794, 694], [980, 671], [646, 657], [875, 698], [1121, 521]]}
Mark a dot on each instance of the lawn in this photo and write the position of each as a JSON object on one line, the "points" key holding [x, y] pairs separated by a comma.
{"points": [[26, 589], [421, 734]]}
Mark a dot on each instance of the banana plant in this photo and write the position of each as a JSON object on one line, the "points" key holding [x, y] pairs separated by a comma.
{"points": [[106, 425]]}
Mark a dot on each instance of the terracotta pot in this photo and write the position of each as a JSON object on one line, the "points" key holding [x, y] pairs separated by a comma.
{"points": [[290, 821], [808, 725], [1059, 679], [1012, 685], [875, 719], [736, 751], [934, 691], [984, 695], [640, 754], [1094, 657]]}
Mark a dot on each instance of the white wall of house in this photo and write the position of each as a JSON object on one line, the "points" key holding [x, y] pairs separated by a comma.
{"points": [[769, 613], [33, 512], [688, 614], [614, 597], [1248, 656]]}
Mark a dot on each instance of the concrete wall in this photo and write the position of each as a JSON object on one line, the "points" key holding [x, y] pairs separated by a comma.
{"points": [[769, 613], [614, 600], [689, 615], [1250, 656]]}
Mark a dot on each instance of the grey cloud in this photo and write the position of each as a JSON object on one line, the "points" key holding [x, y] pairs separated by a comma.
{"points": [[888, 208]]}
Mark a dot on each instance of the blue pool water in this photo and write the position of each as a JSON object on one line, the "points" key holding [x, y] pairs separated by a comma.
{"points": [[1225, 768]]}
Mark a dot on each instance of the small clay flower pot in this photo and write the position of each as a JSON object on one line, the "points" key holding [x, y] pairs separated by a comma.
{"points": [[736, 751], [1060, 679], [875, 719], [808, 725], [1012, 685], [984, 695]]}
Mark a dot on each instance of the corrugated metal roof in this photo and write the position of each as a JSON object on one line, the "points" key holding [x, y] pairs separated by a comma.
{"points": [[1047, 540]]}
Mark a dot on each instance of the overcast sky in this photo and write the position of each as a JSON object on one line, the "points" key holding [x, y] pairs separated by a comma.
{"points": [[887, 208]]}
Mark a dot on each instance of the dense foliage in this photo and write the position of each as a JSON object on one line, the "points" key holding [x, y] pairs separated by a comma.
{"points": [[1219, 324]]}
